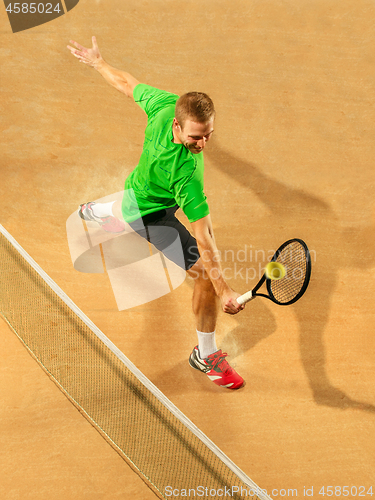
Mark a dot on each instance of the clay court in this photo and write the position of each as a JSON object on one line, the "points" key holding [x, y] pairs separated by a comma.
{"points": [[292, 156]]}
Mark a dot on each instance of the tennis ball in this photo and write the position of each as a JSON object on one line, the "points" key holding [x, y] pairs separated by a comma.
{"points": [[275, 271]]}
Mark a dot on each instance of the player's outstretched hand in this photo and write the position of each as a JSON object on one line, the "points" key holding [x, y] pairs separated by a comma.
{"points": [[91, 57], [229, 303]]}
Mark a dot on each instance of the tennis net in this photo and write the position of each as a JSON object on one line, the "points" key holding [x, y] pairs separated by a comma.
{"points": [[157, 440]]}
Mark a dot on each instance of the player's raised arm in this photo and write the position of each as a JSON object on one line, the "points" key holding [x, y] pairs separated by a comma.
{"points": [[122, 81]]}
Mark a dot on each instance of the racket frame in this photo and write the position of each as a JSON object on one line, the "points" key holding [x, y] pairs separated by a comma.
{"points": [[250, 295]]}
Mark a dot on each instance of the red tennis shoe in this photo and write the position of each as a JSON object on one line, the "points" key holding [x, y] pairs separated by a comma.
{"points": [[110, 224], [217, 368]]}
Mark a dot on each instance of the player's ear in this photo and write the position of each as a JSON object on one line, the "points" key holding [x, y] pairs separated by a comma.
{"points": [[176, 124]]}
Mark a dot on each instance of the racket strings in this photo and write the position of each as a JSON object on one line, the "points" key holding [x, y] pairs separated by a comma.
{"points": [[293, 258]]}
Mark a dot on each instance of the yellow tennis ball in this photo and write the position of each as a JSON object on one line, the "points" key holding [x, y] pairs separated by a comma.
{"points": [[275, 271]]}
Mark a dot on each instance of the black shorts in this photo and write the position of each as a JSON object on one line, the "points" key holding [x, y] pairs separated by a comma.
{"points": [[168, 235]]}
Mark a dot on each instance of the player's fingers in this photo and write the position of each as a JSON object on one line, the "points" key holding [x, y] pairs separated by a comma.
{"points": [[94, 43], [78, 56], [74, 43], [235, 306], [80, 47], [75, 52], [226, 309], [238, 309], [230, 308]]}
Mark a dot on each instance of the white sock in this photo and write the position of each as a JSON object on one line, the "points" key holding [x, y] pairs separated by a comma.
{"points": [[206, 343], [103, 209]]}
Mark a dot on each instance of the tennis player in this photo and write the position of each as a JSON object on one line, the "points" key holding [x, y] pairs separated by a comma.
{"points": [[169, 175]]}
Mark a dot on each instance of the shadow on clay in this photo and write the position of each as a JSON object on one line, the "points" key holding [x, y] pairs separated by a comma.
{"points": [[296, 208]]}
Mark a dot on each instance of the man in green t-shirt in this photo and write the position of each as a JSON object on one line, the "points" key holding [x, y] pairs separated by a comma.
{"points": [[169, 175]]}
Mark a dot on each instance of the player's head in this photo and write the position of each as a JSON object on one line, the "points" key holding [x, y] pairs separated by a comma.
{"points": [[195, 106], [194, 119]]}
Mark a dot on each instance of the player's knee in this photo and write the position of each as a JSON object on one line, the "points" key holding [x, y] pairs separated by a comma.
{"points": [[198, 272], [201, 278]]}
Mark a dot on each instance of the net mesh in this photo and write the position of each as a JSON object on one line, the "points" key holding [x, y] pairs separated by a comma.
{"points": [[159, 447], [293, 258]]}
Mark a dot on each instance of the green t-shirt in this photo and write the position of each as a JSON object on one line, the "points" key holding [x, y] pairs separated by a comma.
{"points": [[167, 174]]}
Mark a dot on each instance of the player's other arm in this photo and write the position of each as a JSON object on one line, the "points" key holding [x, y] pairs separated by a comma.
{"points": [[122, 81], [210, 256]]}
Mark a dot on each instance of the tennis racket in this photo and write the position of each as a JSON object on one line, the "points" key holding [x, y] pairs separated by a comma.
{"points": [[295, 257]]}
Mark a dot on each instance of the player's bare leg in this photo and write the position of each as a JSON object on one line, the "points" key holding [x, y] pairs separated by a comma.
{"points": [[205, 300], [206, 357], [116, 210]]}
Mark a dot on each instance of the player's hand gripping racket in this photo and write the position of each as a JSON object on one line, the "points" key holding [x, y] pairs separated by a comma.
{"points": [[294, 256]]}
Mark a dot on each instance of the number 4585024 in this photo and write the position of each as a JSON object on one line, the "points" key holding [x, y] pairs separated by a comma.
{"points": [[345, 491], [32, 8]]}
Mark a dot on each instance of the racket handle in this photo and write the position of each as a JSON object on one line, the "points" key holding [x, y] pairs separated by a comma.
{"points": [[246, 297]]}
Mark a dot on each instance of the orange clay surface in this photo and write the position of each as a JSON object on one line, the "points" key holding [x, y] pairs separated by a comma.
{"points": [[292, 156]]}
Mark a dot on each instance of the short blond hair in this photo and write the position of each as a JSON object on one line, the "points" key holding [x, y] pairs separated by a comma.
{"points": [[196, 106]]}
